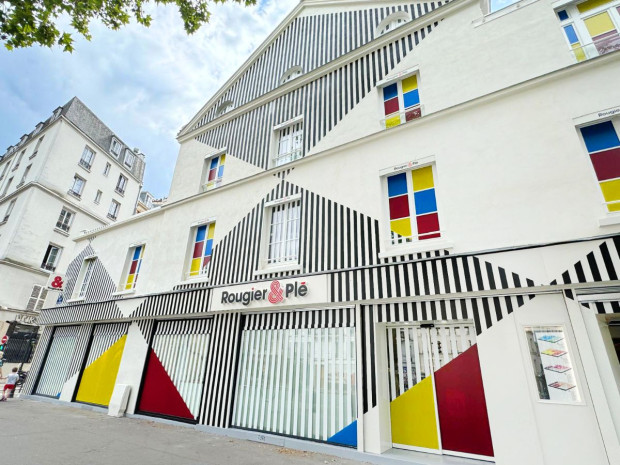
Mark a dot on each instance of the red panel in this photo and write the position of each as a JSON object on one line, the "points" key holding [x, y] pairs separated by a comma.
{"points": [[399, 207], [391, 106], [211, 174], [427, 223], [134, 264], [461, 406], [430, 236], [607, 164], [198, 249], [159, 394], [413, 114]]}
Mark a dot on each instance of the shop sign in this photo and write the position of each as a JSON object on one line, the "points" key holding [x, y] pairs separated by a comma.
{"points": [[55, 282], [26, 319], [279, 292]]}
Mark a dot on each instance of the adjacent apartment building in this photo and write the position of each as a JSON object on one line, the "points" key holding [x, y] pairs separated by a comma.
{"points": [[396, 229], [70, 174]]}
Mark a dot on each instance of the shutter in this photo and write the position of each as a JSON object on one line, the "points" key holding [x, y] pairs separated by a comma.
{"points": [[41, 299], [34, 297]]}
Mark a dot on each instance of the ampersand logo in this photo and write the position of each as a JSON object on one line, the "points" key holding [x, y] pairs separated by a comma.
{"points": [[276, 295], [57, 282]]}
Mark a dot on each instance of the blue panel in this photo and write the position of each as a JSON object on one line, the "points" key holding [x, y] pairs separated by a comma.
{"points": [[411, 98], [201, 232], [390, 92], [571, 34], [600, 136], [347, 436], [136, 253], [209, 247], [397, 185], [213, 163], [563, 15], [425, 202], [220, 172]]}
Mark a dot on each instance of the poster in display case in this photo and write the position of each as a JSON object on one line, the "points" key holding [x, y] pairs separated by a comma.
{"points": [[553, 368]]}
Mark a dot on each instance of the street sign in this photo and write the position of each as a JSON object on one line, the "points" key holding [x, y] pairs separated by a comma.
{"points": [[4, 339]]}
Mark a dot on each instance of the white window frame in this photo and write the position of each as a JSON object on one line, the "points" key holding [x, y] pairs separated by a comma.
{"points": [[224, 108], [7, 186], [98, 197], [127, 267], [106, 170], [202, 274], [9, 210], [45, 263], [280, 261], [209, 185], [129, 155], [37, 146], [392, 21], [121, 187], [65, 219], [86, 162], [398, 80], [295, 130], [5, 170], [18, 160], [81, 191], [37, 128], [84, 277], [114, 216], [116, 147], [390, 249], [25, 175], [292, 73]]}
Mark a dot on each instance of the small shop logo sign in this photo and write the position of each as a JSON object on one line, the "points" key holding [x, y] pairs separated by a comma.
{"points": [[275, 294]]}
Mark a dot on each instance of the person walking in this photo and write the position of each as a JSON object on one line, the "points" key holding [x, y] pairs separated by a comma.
{"points": [[11, 379]]}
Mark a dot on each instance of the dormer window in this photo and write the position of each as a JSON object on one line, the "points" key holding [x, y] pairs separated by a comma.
{"points": [[37, 128], [115, 147], [130, 158], [291, 73], [224, 107], [393, 21], [56, 113], [23, 139]]}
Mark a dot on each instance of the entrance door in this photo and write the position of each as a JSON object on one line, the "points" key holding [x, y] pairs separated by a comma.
{"points": [[437, 398]]}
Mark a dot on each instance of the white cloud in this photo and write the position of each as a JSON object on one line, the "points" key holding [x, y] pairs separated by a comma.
{"points": [[145, 83]]}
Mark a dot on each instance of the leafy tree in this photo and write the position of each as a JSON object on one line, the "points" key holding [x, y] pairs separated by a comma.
{"points": [[27, 22]]}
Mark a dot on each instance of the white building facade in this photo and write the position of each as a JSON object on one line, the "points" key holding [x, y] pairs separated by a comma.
{"points": [[70, 174], [394, 228]]}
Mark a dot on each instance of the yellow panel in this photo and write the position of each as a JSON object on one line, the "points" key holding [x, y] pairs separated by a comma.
{"points": [[222, 159], [393, 121], [613, 207], [211, 231], [99, 377], [130, 278], [128, 286], [591, 4], [402, 227], [411, 83], [611, 190], [422, 178], [195, 266], [599, 24], [413, 417], [578, 51]]}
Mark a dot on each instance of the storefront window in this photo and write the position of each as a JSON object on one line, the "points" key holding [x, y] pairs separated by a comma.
{"points": [[553, 368]]}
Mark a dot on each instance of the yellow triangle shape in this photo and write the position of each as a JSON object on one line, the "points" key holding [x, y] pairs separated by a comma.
{"points": [[413, 417], [99, 377]]}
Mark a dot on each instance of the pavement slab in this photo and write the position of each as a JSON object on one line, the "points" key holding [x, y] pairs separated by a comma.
{"points": [[42, 433]]}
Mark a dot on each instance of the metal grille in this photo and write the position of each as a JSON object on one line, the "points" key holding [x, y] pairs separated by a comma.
{"points": [[54, 373]]}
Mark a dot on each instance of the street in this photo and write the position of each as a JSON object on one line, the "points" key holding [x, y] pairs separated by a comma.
{"points": [[41, 433]]}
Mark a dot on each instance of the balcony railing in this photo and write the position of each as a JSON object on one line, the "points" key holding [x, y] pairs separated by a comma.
{"points": [[85, 164], [396, 119], [596, 48], [120, 190], [48, 267], [77, 195], [112, 217], [287, 157]]}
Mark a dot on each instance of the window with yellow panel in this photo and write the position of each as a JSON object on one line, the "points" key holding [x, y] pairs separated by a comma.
{"points": [[412, 205], [201, 250], [592, 28], [401, 101], [603, 144], [136, 253]]}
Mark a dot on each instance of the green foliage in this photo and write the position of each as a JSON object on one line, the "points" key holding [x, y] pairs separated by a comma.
{"points": [[28, 22]]}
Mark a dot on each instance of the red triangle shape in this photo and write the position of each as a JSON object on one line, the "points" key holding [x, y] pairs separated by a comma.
{"points": [[159, 394]]}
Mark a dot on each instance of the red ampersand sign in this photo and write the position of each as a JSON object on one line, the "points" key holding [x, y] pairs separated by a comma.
{"points": [[57, 282], [276, 295]]}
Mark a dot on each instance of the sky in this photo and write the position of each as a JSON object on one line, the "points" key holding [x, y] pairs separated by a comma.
{"points": [[143, 83]]}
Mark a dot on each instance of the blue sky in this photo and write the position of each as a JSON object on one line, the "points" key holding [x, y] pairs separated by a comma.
{"points": [[144, 83]]}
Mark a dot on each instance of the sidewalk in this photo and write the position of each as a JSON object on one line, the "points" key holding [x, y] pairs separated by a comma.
{"points": [[40, 433]]}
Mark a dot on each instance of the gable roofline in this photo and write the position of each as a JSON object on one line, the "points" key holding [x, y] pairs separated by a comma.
{"points": [[302, 5], [435, 15]]}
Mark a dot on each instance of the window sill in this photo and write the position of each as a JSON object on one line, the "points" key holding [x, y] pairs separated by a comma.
{"points": [[33, 155], [75, 195], [122, 293], [121, 193], [426, 245], [499, 13], [277, 269], [85, 168], [609, 220], [15, 168], [196, 279], [75, 300], [62, 231]]}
